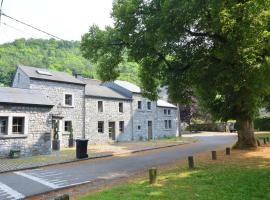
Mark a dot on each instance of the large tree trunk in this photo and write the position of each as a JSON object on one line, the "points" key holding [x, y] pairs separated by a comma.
{"points": [[246, 137]]}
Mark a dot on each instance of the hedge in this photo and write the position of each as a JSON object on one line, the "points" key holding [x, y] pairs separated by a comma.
{"points": [[262, 124]]}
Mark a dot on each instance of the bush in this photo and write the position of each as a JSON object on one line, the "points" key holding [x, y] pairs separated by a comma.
{"points": [[262, 124]]}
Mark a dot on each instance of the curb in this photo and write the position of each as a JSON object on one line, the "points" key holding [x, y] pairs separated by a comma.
{"points": [[95, 157]]}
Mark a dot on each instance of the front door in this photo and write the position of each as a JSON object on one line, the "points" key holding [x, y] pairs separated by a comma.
{"points": [[150, 130], [58, 123], [112, 130]]}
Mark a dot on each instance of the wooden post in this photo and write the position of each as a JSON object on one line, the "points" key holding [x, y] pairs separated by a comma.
{"points": [[264, 141], [152, 175], [214, 155], [190, 162], [228, 151], [258, 142], [63, 197]]}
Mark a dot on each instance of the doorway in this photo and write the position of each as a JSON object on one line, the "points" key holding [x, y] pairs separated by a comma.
{"points": [[150, 130], [58, 123], [112, 130]]}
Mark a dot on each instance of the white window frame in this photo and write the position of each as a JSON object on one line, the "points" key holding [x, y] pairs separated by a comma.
{"points": [[10, 123], [64, 100], [103, 124], [64, 124]]}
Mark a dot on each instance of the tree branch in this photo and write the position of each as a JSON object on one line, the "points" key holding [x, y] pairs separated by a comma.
{"points": [[201, 34]]}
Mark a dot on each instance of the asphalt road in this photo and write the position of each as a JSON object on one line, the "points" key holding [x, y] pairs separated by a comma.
{"points": [[21, 184]]}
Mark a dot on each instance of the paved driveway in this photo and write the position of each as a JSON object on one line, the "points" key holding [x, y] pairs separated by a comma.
{"points": [[21, 184]]}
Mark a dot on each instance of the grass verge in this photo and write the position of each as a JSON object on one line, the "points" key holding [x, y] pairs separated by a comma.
{"points": [[242, 176]]}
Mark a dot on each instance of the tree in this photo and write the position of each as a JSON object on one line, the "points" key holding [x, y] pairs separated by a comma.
{"points": [[52, 54], [216, 50]]}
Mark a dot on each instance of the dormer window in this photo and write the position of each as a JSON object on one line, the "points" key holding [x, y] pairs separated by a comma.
{"points": [[68, 100]]}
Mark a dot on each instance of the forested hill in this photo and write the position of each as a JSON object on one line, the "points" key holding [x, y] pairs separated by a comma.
{"points": [[51, 54]]}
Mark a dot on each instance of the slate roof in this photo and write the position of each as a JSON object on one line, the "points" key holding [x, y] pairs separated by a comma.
{"points": [[162, 103], [33, 72], [129, 86], [104, 92], [90, 81], [23, 97]]}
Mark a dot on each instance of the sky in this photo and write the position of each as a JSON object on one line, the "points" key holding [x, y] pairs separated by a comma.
{"points": [[67, 19]]}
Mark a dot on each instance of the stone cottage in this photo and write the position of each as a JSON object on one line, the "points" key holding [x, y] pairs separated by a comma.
{"points": [[24, 121], [101, 112]]}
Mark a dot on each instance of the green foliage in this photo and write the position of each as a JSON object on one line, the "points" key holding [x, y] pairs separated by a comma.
{"points": [[216, 50], [51, 54], [262, 124]]}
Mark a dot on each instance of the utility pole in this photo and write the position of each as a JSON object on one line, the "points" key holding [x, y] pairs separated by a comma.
{"points": [[1, 10]]}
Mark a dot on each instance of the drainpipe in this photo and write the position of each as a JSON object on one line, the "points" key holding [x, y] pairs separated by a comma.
{"points": [[132, 127], [84, 113], [179, 119]]}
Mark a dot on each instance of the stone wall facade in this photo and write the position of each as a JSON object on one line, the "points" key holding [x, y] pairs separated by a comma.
{"points": [[110, 114], [75, 113], [142, 116], [37, 133], [20, 79], [161, 129]]}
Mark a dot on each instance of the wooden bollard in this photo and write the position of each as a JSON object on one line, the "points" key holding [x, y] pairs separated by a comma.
{"points": [[63, 197], [228, 151], [190, 162], [214, 155], [264, 141], [258, 143], [152, 175]]}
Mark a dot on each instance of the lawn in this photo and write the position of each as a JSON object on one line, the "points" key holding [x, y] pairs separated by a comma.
{"points": [[242, 176], [262, 134]]}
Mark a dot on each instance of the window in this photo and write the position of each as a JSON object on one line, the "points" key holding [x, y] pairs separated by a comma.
{"points": [[149, 105], [3, 125], [170, 124], [121, 109], [169, 112], [139, 127], [139, 105], [100, 106], [166, 124], [68, 126], [18, 125], [68, 99], [101, 127], [165, 112], [121, 126]]}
